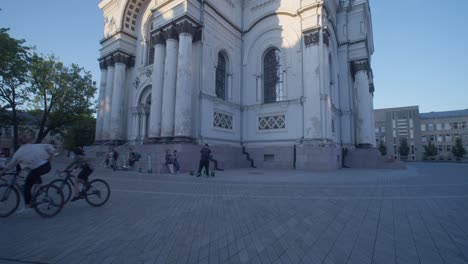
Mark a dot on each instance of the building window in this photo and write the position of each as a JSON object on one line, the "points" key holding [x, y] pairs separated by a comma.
{"points": [[272, 76], [448, 138], [463, 125], [455, 125], [440, 148], [431, 137], [424, 139], [221, 76], [440, 138], [449, 148], [439, 126], [382, 129], [447, 126], [430, 127], [423, 127], [376, 130]]}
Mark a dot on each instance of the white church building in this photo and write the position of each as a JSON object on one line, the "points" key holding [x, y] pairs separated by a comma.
{"points": [[284, 83]]}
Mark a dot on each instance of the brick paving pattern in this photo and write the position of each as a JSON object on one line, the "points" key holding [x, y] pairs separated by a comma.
{"points": [[417, 215]]}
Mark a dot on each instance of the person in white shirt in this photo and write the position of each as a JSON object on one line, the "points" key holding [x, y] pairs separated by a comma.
{"points": [[34, 158]]}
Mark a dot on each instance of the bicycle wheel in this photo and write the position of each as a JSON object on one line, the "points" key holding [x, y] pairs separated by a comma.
{"points": [[9, 200], [97, 192], [65, 187], [48, 201]]}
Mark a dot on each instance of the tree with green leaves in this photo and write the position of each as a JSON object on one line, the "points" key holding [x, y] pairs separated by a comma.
{"points": [[403, 149], [80, 133], [62, 94], [14, 75], [382, 148], [458, 150], [430, 150]]}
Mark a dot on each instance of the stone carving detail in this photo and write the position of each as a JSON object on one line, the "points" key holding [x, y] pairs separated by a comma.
{"points": [[311, 38], [102, 64], [186, 27], [171, 33], [272, 122], [361, 65], [136, 83], [221, 120], [159, 39], [326, 37], [263, 4], [109, 26], [230, 3]]}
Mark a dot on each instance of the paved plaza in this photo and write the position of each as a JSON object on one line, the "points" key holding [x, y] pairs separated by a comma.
{"points": [[417, 215]]}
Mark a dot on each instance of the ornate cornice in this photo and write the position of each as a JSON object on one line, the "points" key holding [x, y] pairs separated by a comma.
{"points": [[186, 26]]}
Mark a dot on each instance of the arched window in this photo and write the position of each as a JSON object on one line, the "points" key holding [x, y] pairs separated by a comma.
{"points": [[221, 76], [272, 76]]}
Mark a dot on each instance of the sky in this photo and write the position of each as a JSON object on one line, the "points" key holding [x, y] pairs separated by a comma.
{"points": [[420, 58]]}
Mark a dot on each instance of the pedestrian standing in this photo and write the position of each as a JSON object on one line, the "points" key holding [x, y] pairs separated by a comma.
{"points": [[170, 161], [204, 160], [176, 161]]}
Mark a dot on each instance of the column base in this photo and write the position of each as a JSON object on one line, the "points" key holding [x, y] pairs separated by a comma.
{"points": [[170, 140]]}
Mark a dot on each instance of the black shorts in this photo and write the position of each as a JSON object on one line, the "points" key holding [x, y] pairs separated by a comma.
{"points": [[84, 173]]}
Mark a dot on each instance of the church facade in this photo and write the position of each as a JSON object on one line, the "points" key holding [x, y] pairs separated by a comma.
{"points": [[289, 81]]}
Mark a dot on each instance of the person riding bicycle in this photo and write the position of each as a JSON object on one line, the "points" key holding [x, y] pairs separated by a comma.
{"points": [[33, 158], [80, 161]]}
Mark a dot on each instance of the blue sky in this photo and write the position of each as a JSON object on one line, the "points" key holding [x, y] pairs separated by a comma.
{"points": [[421, 46]]}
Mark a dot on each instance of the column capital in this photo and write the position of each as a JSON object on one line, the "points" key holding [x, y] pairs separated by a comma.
{"points": [[311, 37], [186, 26], [326, 36], [123, 58], [159, 39], [110, 61], [360, 65], [171, 33], [103, 64]]}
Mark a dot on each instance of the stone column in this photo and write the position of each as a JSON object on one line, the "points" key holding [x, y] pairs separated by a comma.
{"points": [[169, 89], [312, 86], [144, 117], [108, 99], [117, 106], [157, 86], [101, 100], [365, 127], [184, 88]]}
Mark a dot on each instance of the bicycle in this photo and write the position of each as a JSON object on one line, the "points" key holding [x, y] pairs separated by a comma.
{"points": [[47, 200], [95, 192]]}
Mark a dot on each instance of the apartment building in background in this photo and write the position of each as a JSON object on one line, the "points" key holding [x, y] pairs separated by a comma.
{"points": [[442, 128]]}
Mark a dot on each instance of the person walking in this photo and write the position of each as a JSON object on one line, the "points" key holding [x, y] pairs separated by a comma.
{"points": [[170, 161], [204, 160], [176, 161], [115, 157]]}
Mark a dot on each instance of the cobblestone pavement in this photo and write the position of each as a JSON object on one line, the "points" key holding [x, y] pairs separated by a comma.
{"points": [[417, 215]]}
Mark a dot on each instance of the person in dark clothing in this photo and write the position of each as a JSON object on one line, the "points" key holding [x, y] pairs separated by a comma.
{"points": [[204, 160], [176, 161], [115, 156]]}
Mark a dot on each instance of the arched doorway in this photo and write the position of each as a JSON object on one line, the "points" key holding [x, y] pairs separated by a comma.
{"points": [[141, 115]]}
